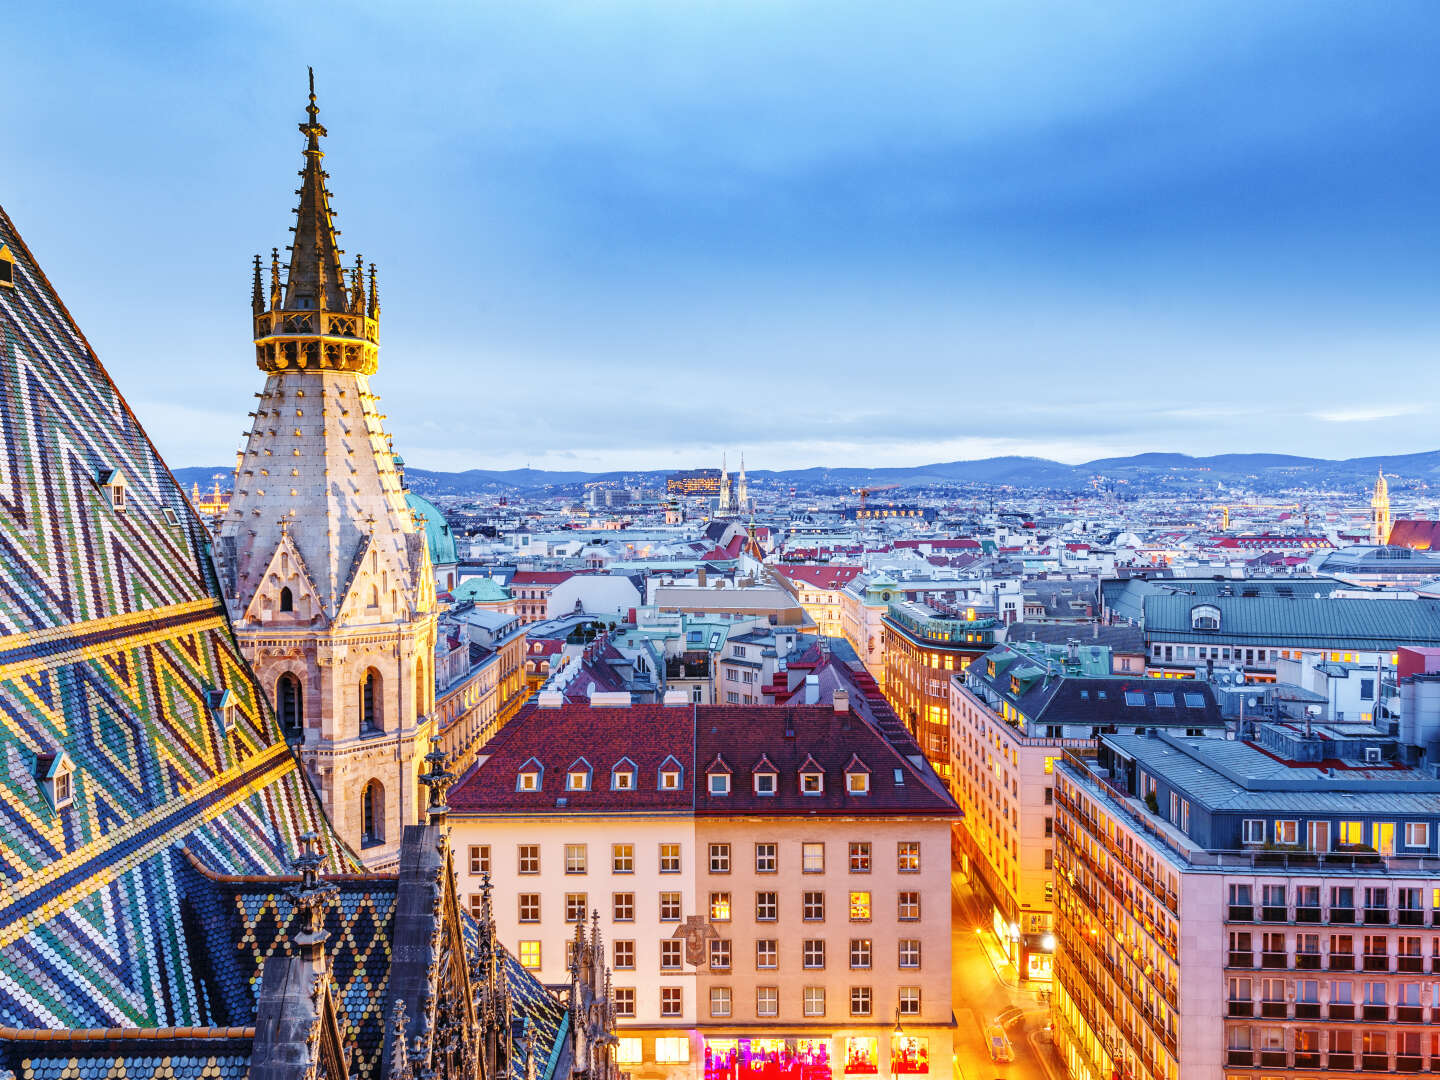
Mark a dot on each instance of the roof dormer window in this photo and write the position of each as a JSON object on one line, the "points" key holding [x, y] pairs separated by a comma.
{"points": [[672, 775], [765, 777], [717, 777], [7, 267], [113, 481], [530, 776], [56, 775], [577, 777], [857, 777], [812, 778], [622, 776], [1205, 617], [225, 707]]}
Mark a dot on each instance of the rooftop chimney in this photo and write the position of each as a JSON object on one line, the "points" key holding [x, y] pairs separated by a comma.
{"points": [[551, 699], [676, 697], [842, 702]]}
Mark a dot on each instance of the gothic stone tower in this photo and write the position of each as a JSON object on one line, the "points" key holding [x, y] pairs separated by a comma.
{"points": [[324, 567], [1380, 511]]}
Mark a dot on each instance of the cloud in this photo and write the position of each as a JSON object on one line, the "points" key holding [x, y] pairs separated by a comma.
{"points": [[1357, 414]]}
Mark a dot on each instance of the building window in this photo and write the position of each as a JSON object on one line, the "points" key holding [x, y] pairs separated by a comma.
{"points": [[574, 858], [719, 783], [859, 858], [767, 953], [766, 860], [530, 955], [720, 1001], [669, 858], [669, 779], [909, 952], [814, 906], [719, 907], [624, 955], [1417, 834], [767, 907], [814, 999], [669, 907], [765, 783], [370, 720], [528, 780], [479, 858], [1287, 832], [857, 783], [670, 957], [720, 954], [719, 858], [812, 858], [672, 1004], [628, 1048], [372, 815], [1352, 833], [529, 906], [859, 906], [1252, 831], [624, 906], [860, 953], [622, 858], [812, 783], [909, 1001], [860, 1001], [575, 907], [290, 705], [767, 1001], [907, 856], [908, 907], [813, 952], [529, 858], [578, 779]]}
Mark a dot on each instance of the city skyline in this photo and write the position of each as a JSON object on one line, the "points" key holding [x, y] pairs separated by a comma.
{"points": [[699, 225]]}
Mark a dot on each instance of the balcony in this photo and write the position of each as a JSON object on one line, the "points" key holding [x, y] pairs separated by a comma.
{"points": [[1307, 961], [1342, 962], [1275, 914], [1273, 960], [1243, 1058], [1409, 963], [1411, 917], [1377, 963], [1242, 913], [1241, 1008], [1272, 1059], [1273, 1009], [1342, 914], [1340, 1061], [1307, 1059], [1307, 1010], [1409, 1014], [1408, 1064], [1375, 1062], [1375, 1012], [1377, 917], [1342, 1012], [1242, 960], [1307, 914]]}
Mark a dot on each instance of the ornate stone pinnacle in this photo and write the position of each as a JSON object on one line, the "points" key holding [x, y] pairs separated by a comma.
{"points": [[312, 896], [437, 782]]}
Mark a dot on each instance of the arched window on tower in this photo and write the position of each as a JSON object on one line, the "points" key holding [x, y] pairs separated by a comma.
{"points": [[420, 696], [290, 705], [372, 814], [370, 718], [374, 596], [287, 599]]}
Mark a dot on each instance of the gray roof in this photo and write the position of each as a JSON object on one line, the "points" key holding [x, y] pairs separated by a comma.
{"points": [[1322, 623], [1119, 639]]}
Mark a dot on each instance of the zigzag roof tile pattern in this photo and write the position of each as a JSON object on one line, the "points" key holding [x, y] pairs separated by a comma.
{"points": [[114, 649]]}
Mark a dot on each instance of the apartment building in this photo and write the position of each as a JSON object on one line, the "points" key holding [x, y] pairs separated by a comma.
{"points": [[772, 882], [819, 590], [1012, 713], [1246, 909]]}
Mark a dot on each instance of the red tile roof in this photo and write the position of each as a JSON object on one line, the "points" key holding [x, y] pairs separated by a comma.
{"points": [[829, 576], [645, 734]]}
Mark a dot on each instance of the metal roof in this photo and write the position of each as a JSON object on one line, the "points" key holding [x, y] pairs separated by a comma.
{"points": [[1322, 623]]}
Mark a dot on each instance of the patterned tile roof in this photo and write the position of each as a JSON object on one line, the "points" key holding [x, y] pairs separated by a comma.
{"points": [[113, 647], [200, 1058]]}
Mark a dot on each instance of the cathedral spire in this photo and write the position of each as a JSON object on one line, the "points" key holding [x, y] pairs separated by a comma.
{"points": [[316, 275]]}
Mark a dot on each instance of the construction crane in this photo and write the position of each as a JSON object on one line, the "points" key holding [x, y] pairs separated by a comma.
{"points": [[1225, 508], [866, 492]]}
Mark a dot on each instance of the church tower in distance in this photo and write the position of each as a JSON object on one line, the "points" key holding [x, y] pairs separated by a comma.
{"points": [[1380, 511], [324, 567]]}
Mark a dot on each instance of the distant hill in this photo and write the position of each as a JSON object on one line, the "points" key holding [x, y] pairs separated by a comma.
{"points": [[1275, 470]]}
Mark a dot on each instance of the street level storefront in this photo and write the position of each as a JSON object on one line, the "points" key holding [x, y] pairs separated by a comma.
{"points": [[780, 1057]]}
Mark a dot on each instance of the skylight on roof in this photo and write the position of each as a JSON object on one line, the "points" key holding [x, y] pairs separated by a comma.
{"points": [[1165, 701], [1194, 701], [1134, 697]]}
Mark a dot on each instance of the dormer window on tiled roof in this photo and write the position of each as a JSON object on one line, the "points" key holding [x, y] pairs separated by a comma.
{"points": [[225, 707], [577, 777], [672, 774], [812, 777], [717, 777], [7, 266], [113, 481], [56, 775], [766, 778], [857, 777], [530, 776], [622, 776]]}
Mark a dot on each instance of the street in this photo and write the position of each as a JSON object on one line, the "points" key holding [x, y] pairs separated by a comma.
{"points": [[981, 994]]}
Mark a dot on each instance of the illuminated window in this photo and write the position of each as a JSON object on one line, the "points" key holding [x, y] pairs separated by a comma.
{"points": [[628, 1049], [857, 783], [907, 856], [577, 778], [719, 907], [669, 858], [622, 858], [1287, 832], [622, 777], [1352, 832], [860, 857], [671, 1050], [908, 907], [530, 955]]}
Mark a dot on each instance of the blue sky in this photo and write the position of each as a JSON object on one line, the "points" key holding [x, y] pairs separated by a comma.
{"points": [[623, 235]]}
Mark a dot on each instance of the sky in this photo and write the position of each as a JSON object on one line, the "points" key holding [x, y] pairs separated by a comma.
{"points": [[639, 235]]}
